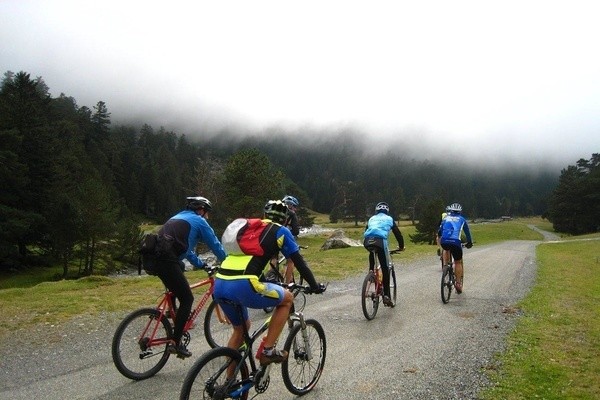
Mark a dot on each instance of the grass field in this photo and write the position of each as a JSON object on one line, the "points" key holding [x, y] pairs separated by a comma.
{"points": [[554, 352]]}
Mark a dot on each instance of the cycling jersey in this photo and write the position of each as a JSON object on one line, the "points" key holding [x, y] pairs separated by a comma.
{"points": [[186, 229], [380, 225], [238, 277], [451, 227], [292, 223]]}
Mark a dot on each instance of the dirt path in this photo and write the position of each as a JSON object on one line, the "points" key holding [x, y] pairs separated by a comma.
{"points": [[422, 349]]}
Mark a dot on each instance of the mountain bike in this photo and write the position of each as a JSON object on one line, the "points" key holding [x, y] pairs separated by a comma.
{"points": [[372, 288], [306, 347], [139, 345], [448, 277]]}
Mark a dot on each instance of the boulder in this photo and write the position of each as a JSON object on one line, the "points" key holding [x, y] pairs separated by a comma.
{"points": [[339, 240]]}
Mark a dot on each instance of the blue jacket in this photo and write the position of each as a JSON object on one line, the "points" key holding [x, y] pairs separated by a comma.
{"points": [[187, 229], [380, 225], [451, 228]]}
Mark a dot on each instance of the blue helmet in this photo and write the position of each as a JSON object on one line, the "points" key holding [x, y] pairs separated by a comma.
{"points": [[291, 201]]}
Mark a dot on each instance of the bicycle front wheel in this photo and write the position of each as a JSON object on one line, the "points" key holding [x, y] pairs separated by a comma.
{"points": [[217, 327], [133, 351], [446, 285], [306, 357], [207, 379]]}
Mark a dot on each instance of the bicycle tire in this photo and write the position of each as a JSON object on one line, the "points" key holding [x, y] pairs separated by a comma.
{"points": [[210, 371], [217, 327], [369, 296], [130, 355], [446, 285], [393, 286], [300, 375]]}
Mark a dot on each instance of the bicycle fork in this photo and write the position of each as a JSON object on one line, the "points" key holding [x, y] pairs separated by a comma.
{"points": [[302, 349]]}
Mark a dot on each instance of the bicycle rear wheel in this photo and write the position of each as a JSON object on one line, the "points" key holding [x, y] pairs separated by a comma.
{"points": [[446, 284], [133, 354], [304, 365], [217, 327], [369, 296], [207, 379], [393, 285]]}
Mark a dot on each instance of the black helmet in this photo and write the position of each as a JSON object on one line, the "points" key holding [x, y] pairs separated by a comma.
{"points": [[198, 202], [276, 210], [382, 206]]}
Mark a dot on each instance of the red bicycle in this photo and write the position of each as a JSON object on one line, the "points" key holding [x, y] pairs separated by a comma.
{"points": [[372, 288], [139, 345]]}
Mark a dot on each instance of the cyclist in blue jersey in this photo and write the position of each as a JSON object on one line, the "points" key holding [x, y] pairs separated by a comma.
{"points": [[450, 232], [376, 238], [179, 237], [237, 280]]}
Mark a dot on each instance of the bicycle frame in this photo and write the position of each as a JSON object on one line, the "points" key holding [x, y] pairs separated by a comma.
{"points": [[379, 273], [166, 307], [258, 376], [275, 270]]}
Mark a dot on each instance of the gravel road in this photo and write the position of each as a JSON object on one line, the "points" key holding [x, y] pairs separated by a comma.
{"points": [[422, 349]]}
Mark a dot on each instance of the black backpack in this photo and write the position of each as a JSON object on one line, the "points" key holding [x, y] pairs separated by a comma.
{"points": [[149, 253]]}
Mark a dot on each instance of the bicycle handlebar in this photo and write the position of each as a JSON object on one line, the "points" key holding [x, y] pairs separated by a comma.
{"points": [[294, 287], [396, 251]]}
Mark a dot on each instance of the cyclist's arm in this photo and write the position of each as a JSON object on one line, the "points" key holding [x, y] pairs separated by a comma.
{"points": [[303, 269], [398, 235], [467, 232], [208, 236]]}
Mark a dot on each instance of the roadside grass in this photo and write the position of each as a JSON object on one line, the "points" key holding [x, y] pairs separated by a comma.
{"points": [[554, 351]]}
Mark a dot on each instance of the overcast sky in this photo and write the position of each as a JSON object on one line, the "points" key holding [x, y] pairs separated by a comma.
{"points": [[518, 78]]}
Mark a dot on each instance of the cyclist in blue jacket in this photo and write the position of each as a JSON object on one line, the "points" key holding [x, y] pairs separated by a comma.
{"points": [[376, 238], [179, 237], [450, 231]]}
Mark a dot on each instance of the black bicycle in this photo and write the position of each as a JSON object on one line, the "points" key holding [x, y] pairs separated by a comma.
{"points": [[448, 277], [306, 347]]}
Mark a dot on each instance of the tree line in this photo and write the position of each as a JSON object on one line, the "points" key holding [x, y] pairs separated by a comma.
{"points": [[75, 188]]}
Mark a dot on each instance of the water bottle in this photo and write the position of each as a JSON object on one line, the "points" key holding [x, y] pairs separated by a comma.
{"points": [[261, 346]]}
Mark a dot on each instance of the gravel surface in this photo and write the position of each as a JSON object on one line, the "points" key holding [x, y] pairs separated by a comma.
{"points": [[422, 349]]}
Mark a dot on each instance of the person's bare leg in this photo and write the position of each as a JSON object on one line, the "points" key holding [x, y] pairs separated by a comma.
{"points": [[278, 319], [446, 256], [235, 341], [458, 268]]}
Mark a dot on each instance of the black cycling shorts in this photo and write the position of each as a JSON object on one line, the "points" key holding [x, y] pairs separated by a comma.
{"points": [[455, 250]]}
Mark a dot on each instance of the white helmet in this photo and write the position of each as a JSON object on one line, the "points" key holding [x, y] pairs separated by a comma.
{"points": [[455, 208], [382, 207]]}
